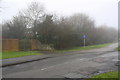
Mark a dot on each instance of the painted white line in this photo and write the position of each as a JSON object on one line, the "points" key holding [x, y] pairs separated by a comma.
{"points": [[80, 59], [43, 68], [67, 63], [83, 59]]}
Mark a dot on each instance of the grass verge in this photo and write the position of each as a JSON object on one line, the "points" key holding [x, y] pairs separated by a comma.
{"points": [[117, 49], [86, 48], [6, 55], [113, 74]]}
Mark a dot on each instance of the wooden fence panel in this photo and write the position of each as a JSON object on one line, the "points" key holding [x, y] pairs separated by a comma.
{"points": [[25, 44], [35, 44], [20, 45], [10, 45], [0, 45]]}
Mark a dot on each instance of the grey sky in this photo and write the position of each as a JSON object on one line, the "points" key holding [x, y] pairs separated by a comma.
{"points": [[102, 11]]}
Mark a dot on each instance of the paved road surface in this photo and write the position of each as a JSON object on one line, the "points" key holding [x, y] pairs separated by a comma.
{"points": [[74, 64]]}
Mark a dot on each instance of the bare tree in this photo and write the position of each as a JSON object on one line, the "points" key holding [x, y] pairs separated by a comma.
{"points": [[82, 24], [34, 12], [106, 34], [34, 15]]}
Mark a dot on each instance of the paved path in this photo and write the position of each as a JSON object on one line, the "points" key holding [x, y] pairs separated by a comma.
{"points": [[74, 64]]}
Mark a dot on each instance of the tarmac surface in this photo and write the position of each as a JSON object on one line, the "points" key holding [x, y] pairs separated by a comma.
{"points": [[75, 64]]}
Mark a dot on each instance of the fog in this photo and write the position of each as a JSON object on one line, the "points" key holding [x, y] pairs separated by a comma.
{"points": [[103, 11]]}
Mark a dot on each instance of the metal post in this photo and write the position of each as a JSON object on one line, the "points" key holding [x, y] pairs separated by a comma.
{"points": [[84, 43]]}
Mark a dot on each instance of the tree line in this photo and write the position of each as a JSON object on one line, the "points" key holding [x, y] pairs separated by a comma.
{"points": [[57, 32]]}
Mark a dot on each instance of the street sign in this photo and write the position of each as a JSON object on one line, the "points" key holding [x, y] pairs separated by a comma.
{"points": [[84, 36]]}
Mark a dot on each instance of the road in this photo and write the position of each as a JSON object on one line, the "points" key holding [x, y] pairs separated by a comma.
{"points": [[77, 64]]}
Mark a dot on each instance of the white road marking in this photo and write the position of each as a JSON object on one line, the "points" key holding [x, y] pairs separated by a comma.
{"points": [[60, 64], [43, 68], [80, 59]]}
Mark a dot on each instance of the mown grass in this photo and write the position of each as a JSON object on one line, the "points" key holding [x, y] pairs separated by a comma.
{"points": [[113, 74], [86, 48], [6, 55]]}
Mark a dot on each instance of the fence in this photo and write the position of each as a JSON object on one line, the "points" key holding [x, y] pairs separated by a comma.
{"points": [[19, 45], [10, 45], [0, 45]]}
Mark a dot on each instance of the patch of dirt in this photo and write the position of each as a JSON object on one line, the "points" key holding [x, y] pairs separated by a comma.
{"points": [[100, 59], [87, 71]]}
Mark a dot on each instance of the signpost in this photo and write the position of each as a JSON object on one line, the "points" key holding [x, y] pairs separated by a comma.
{"points": [[84, 37]]}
